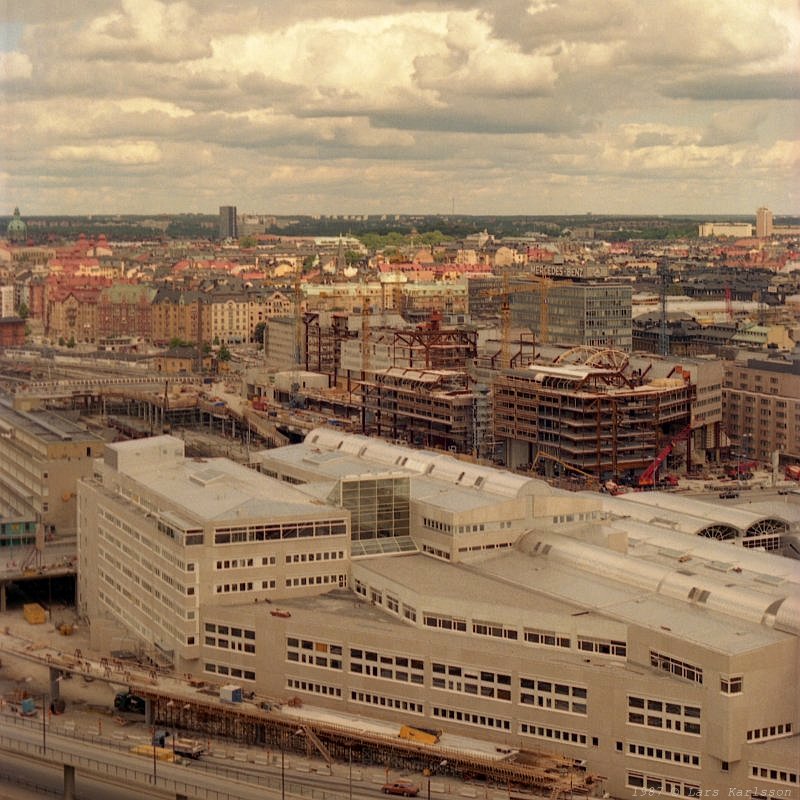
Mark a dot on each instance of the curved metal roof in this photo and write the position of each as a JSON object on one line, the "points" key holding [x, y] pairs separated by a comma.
{"points": [[787, 615], [436, 465], [645, 540], [673, 520], [748, 522], [717, 585]]}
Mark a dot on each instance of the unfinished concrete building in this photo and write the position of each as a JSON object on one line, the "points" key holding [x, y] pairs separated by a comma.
{"points": [[344, 345], [590, 413], [433, 408], [324, 333]]}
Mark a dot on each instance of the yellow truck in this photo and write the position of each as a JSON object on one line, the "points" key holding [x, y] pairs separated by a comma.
{"points": [[151, 751], [419, 735]]}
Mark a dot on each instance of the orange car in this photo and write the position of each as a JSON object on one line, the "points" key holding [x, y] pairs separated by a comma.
{"points": [[403, 788]]}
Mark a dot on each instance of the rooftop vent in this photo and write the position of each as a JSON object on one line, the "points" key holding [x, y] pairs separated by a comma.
{"points": [[206, 476]]}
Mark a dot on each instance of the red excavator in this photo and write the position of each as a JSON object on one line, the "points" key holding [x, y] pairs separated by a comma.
{"points": [[648, 477]]}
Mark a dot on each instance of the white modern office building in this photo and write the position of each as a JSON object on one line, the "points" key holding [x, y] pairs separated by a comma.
{"points": [[414, 587]]}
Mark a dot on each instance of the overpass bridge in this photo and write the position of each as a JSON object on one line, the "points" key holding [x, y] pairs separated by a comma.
{"points": [[115, 765], [188, 703], [162, 402]]}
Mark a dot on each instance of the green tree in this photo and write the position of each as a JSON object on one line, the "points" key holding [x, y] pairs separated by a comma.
{"points": [[258, 332], [224, 354], [23, 310], [71, 342], [352, 257], [435, 238]]}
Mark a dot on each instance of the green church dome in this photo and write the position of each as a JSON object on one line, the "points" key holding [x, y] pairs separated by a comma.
{"points": [[17, 230]]}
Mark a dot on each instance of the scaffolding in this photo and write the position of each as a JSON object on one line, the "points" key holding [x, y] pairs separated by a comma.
{"points": [[429, 346], [432, 408], [593, 417], [193, 705], [553, 773]]}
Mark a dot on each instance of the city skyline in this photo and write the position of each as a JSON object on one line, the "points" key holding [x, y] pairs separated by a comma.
{"points": [[388, 106]]}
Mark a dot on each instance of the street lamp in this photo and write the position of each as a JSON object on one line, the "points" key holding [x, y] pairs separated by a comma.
{"points": [[283, 769], [440, 764], [170, 705], [44, 723]]}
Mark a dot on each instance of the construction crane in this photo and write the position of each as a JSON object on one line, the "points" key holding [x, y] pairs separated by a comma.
{"points": [[366, 345], [663, 334], [297, 344], [540, 285], [542, 456], [648, 477], [298, 316], [366, 335]]}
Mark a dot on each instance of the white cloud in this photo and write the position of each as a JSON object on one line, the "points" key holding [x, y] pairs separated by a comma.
{"points": [[119, 153], [14, 66], [143, 29], [376, 105]]}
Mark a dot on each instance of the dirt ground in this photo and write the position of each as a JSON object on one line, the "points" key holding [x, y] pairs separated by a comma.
{"points": [[88, 703]]}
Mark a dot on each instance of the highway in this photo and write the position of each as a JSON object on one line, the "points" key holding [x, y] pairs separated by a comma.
{"points": [[33, 756], [24, 779]]}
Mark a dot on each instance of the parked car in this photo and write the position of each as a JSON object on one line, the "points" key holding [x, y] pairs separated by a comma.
{"points": [[403, 788], [728, 495], [127, 701]]}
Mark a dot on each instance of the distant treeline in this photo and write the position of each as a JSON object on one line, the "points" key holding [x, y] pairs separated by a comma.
{"points": [[449, 227]]}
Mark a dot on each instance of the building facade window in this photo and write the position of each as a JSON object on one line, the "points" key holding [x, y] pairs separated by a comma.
{"points": [[387, 666], [553, 696], [325, 655], [731, 684], [466, 680], [674, 666], [652, 712]]}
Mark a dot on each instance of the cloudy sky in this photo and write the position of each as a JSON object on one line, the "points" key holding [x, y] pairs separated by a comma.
{"points": [[400, 106]]}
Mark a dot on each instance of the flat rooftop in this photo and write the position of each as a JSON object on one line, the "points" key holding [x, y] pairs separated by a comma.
{"points": [[46, 426], [215, 489]]}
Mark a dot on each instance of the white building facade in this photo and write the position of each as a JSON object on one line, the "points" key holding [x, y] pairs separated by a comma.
{"points": [[471, 600]]}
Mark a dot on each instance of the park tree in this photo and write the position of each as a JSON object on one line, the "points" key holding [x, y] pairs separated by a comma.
{"points": [[258, 332]]}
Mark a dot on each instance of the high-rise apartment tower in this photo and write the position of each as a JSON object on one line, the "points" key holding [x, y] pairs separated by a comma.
{"points": [[228, 228], [763, 223]]}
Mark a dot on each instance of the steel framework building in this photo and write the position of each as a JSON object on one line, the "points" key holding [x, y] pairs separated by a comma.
{"points": [[434, 408], [596, 415]]}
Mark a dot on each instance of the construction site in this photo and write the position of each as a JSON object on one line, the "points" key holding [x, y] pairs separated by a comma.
{"points": [[589, 412], [197, 708]]}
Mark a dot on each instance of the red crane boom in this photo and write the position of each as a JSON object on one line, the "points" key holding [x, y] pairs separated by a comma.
{"points": [[647, 478]]}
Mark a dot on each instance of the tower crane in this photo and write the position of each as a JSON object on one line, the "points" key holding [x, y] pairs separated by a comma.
{"points": [[728, 302], [297, 360], [663, 333], [298, 316], [366, 335], [366, 360], [539, 284]]}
